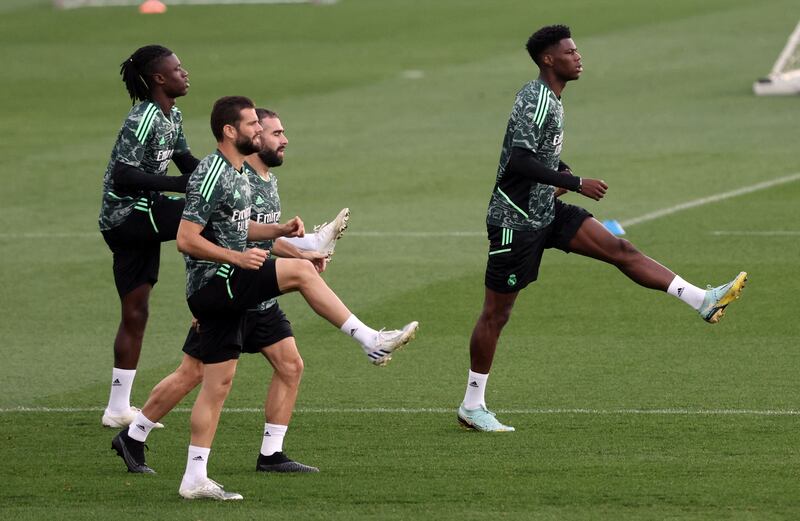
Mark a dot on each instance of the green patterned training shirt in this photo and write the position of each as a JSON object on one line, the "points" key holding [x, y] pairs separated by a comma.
{"points": [[147, 140], [265, 207], [537, 124], [218, 198]]}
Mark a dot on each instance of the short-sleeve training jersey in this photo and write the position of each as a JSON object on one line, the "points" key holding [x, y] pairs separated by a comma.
{"points": [[147, 140], [218, 198], [536, 124], [265, 205]]}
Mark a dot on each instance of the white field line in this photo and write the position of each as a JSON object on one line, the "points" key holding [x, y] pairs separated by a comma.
{"points": [[439, 410], [711, 199], [626, 223], [763, 233]]}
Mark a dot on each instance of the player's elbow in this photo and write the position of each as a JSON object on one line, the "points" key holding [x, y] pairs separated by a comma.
{"points": [[183, 239]]}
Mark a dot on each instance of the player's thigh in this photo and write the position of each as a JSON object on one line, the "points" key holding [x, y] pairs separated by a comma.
{"points": [[291, 273], [593, 240]]}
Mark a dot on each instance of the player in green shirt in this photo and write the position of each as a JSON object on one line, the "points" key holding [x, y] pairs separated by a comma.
{"points": [[525, 217], [135, 217], [224, 280]]}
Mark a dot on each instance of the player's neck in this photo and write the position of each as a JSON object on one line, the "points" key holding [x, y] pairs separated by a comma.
{"points": [[231, 153], [162, 100], [553, 82], [260, 167]]}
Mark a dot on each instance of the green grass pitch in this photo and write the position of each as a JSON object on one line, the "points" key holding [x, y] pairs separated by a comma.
{"points": [[627, 405]]}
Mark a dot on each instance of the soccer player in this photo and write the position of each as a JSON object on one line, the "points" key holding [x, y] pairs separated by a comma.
{"points": [[267, 329], [525, 218], [135, 217], [224, 279]]}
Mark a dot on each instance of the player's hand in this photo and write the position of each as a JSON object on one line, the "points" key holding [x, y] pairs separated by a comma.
{"points": [[593, 188], [252, 259], [294, 227], [195, 324], [318, 259]]}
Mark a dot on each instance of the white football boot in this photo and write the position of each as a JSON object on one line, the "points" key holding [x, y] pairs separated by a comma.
{"points": [[328, 233]]}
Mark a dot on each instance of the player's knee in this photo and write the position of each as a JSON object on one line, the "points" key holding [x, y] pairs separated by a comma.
{"points": [[299, 272], [292, 370], [220, 389], [496, 319], [626, 251], [189, 377], [134, 316]]}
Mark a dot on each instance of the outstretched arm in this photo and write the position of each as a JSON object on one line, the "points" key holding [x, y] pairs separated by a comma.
{"points": [[192, 243]]}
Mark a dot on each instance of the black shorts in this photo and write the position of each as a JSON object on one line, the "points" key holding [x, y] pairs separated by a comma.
{"points": [[218, 340], [515, 256], [136, 243], [265, 328], [221, 307]]}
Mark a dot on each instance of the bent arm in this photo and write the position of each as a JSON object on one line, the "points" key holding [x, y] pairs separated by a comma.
{"points": [[185, 162], [283, 248], [130, 179], [191, 242], [523, 162], [266, 232]]}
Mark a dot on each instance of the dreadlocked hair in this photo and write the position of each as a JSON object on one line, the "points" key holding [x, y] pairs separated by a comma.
{"points": [[137, 69]]}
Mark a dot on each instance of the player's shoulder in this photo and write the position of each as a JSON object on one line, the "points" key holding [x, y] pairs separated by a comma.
{"points": [[214, 162], [142, 110], [534, 91]]}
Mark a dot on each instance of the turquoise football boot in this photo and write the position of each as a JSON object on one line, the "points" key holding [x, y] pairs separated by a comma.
{"points": [[717, 299], [481, 419]]}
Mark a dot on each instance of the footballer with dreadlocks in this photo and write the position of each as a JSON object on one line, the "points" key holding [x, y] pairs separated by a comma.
{"points": [[135, 216]]}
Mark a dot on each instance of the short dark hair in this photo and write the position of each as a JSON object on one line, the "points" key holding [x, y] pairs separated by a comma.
{"points": [[544, 38], [138, 68], [228, 111], [265, 113]]}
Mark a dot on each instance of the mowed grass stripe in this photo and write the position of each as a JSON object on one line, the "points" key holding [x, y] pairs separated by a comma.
{"points": [[688, 205], [444, 410]]}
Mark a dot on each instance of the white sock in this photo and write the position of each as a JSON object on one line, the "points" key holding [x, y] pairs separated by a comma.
{"points": [[273, 438], [119, 401], [476, 387], [195, 466], [140, 427], [688, 293], [363, 334], [308, 242]]}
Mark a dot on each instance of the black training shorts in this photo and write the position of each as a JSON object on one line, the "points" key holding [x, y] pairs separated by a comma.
{"points": [[265, 328], [136, 243], [515, 256], [216, 340], [220, 307]]}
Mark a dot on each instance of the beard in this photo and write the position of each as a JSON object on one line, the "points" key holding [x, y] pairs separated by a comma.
{"points": [[270, 157], [246, 146]]}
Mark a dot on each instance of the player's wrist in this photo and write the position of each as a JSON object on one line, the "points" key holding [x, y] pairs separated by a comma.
{"points": [[579, 188]]}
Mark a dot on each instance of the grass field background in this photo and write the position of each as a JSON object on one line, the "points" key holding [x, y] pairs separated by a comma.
{"points": [[627, 406]]}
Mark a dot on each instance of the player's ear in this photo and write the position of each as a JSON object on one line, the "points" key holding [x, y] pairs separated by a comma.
{"points": [[158, 78]]}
